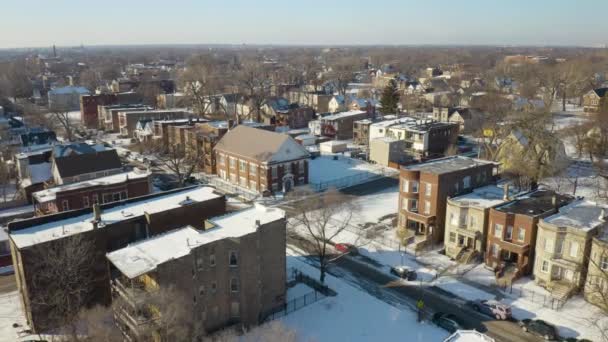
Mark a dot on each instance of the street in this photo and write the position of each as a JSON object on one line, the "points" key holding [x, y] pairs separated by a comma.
{"points": [[404, 295]]}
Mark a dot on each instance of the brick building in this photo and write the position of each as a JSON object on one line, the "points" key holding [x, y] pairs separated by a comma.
{"points": [[424, 190], [90, 103], [85, 194], [337, 126], [261, 160], [76, 162], [233, 271], [108, 228], [108, 115], [127, 120], [512, 231]]}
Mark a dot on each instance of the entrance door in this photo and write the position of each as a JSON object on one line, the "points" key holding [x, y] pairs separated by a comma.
{"points": [[557, 273], [461, 240], [569, 275]]}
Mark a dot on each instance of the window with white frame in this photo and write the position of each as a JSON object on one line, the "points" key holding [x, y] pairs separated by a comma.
{"points": [[275, 172], [242, 165], [559, 246], [521, 234], [405, 185], [428, 189], [65, 205], [427, 207], [495, 250], [452, 237], [498, 230], [509, 233], [253, 169], [232, 162], [454, 219], [234, 285], [473, 221], [544, 266], [404, 204], [466, 182], [549, 245], [415, 187], [574, 249], [413, 205], [222, 158], [85, 201], [604, 263]]}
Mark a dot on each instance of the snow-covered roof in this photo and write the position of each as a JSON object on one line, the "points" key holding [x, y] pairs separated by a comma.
{"points": [[448, 164], [144, 256], [388, 123], [69, 90], [333, 143], [40, 172], [74, 225], [484, 197], [468, 336], [343, 115], [581, 214], [50, 194]]}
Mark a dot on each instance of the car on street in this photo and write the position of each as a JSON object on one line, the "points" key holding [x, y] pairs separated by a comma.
{"points": [[491, 308], [540, 328], [346, 248], [404, 273], [447, 321]]}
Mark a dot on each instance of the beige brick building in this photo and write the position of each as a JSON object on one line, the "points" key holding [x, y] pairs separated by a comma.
{"points": [[596, 285], [563, 246]]}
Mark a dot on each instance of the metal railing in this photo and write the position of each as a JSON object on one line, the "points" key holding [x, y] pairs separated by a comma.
{"points": [[533, 296], [348, 181], [227, 187]]}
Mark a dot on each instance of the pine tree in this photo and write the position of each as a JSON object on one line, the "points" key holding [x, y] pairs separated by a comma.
{"points": [[390, 98]]}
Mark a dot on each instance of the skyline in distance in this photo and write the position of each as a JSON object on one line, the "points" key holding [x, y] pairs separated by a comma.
{"points": [[40, 23]]}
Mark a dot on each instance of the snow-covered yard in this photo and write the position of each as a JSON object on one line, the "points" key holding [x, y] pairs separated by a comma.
{"points": [[11, 312], [325, 169], [354, 315]]}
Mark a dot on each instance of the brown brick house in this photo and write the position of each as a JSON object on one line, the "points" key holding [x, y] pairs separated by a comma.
{"points": [[424, 189], [204, 137], [261, 160], [115, 226], [512, 231], [231, 272], [95, 191]]}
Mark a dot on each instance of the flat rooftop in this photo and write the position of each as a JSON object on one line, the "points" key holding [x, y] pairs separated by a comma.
{"points": [[393, 122], [144, 256], [51, 194], [485, 197], [535, 203], [468, 336], [343, 115], [60, 228], [581, 214], [448, 164]]}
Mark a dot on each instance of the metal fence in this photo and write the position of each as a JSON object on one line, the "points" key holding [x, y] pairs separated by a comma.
{"points": [[226, 187], [296, 304], [535, 297], [348, 181], [368, 234]]}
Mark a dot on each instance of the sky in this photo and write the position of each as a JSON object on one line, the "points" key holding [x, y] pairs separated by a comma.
{"points": [[37, 23]]}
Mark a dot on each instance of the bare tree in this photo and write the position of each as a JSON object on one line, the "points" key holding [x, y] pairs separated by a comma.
{"points": [[254, 81], [321, 218], [201, 81], [59, 118], [180, 160], [172, 319], [274, 331]]}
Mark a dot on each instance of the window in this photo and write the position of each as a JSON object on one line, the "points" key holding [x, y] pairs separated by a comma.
{"points": [[253, 185], [201, 290], [242, 165], [427, 207], [545, 266], [243, 181], [253, 169], [428, 188], [85, 202], [574, 249], [453, 219], [212, 260], [234, 285], [473, 222], [414, 205], [234, 309], [495, 250], [232, 162], [549, 245], [275, 172], [415, 187], [452, 237], [95, 199], [213, 286], [116, 196], [233, 259], [222, 159], [498, 230], [604, 263], [232, 178], [456, 187], [559, 247], [199, 263], [521, 234], [466, 182], [509, 233], [404, 204], [302, 167], [123, 195], [405, 185], [65, 205], [107, 198]]}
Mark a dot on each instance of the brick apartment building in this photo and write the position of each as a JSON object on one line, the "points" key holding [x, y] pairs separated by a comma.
{"points": [[127, 120], [424, 189], [204, 137], [230, 272], [107, 228], [90, 103], [261, 160], [85, 194], [337, 126], [512, 231], [108, 115]]}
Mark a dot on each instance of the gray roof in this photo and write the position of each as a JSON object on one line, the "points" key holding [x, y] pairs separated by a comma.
{"points": [[448, 164]]}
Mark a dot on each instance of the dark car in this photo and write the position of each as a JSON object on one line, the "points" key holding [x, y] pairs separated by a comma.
{"points": [[448, 322], [491, 308], [404, 273], [540, 328]]}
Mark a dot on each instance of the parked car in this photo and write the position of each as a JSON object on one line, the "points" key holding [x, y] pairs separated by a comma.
{"points": [[540, 328], [446, 321], [346, 248], [404, 273], [492, 308]]}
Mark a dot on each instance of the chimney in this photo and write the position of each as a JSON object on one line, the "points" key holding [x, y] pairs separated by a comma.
{"points": [[554, 201], [505, 195], [257, 224]]}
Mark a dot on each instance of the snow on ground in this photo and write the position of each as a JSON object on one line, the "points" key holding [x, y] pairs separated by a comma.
{"points": [[11, 312], [461, 290], [74, 116], [371, 208], [568, 119], [326, 169], [354, 315], [299, 290], [16, 211]]}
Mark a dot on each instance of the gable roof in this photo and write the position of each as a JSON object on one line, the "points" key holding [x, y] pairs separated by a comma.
{"points": [[261, 145], [600, 91], [78, 164]]}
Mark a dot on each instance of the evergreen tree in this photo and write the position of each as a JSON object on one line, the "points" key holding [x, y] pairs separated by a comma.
{"points": [[390, 98]]}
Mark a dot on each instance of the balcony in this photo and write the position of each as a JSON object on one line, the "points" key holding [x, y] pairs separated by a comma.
{"points": [[132, 292]]}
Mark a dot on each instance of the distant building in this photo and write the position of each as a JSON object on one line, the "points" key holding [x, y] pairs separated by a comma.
{"points": [[87, 193], [90, 103], [424, 189], [361, 131], [592, 100], [79, 161], [66, 98], [37, 137], [233, 271], [337, 126], [260, 160], [388, 151], [596, 284], [112, 227], [127, 120], [108, 115], [511, 244]]}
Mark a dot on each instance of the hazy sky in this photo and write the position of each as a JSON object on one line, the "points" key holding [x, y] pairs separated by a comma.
{"points": [[496, 22]]}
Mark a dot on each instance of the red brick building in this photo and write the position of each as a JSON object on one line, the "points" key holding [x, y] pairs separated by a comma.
{"points": [[89, 105], [84, 194]]}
